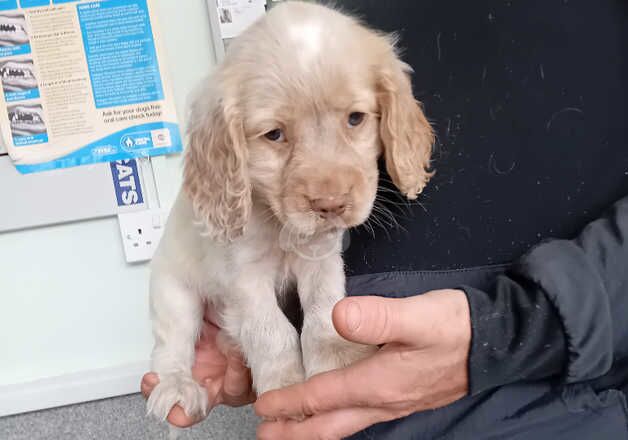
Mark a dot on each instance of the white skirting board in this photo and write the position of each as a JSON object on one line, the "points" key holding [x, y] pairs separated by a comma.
{"points": [[71, 388]]}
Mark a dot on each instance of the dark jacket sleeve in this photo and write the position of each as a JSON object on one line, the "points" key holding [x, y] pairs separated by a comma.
{"points": [[562, 309]]}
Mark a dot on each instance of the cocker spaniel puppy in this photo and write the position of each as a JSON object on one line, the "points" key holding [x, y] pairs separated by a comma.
{"points": [[284, 141]]}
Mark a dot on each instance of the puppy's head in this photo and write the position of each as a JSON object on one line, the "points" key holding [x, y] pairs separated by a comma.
{"points": [[296, 118]]}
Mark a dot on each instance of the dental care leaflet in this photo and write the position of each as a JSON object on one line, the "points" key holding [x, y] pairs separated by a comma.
{"points": [[83, 82]]}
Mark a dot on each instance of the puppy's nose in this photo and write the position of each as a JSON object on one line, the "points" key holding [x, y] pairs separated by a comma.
{"points": [[328, 207]]}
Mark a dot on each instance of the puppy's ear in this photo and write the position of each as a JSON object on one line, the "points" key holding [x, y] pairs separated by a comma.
{"points": [[215, 167], [405, 132]]}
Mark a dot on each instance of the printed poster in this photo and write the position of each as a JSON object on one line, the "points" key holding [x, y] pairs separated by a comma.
{"points": [[83, 82]]}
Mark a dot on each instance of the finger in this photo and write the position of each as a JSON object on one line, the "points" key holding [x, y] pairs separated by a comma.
{"points": [[333, 425], [178, 416], [208, 332], [237, 381], [376, 320], [180, 419], [225, 344], [358, 385], [149, 382]]}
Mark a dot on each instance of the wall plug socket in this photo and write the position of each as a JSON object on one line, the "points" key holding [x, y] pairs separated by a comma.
{"points": [[141, 232]]}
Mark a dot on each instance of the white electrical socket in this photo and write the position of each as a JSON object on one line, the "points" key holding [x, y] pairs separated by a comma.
{"points": [[141, 232]]}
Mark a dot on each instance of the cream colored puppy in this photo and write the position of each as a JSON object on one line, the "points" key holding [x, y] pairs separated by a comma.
{"points": [[284, 141]]}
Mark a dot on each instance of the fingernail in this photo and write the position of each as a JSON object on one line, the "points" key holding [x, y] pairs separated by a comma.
{"points": [[353, 315]]}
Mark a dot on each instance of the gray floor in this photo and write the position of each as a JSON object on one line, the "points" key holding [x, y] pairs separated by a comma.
{"points": [[122, 418]]}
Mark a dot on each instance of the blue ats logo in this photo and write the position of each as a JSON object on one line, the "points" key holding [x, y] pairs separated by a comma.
{"points": [[136, 141], [126, 180]]}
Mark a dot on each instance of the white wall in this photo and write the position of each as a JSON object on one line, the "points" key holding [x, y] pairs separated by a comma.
{"points": [[68, 301]]}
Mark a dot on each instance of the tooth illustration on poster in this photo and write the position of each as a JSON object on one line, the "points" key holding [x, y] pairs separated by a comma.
{"points": [[13, 29], [19, 80]]}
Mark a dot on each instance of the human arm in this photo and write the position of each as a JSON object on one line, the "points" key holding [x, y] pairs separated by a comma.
{"points": [[560, 310]]}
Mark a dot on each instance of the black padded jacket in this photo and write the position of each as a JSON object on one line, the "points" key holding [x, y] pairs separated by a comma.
{"points": [[528, 211]]}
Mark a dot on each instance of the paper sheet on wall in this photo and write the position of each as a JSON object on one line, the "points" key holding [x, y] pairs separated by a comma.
{"points": [[3, 149], [83, 82], [236, 15]]}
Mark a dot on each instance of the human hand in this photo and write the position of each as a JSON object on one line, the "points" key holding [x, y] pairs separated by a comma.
{"points": [[219, 367], [423, 365]]}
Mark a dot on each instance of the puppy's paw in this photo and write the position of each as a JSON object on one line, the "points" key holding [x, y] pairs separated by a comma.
{"points": [[331, 355], [181, 389], [278, 373]]}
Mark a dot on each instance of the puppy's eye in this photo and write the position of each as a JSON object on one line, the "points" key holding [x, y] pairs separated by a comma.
{"points": [[275, 135], [356, 118]]}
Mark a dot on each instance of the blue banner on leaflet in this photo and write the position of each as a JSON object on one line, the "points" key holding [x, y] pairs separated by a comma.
{"points": [[154, 139], [31, 139], [21, 95], [6, 5], [34, 3], [20, 49]]}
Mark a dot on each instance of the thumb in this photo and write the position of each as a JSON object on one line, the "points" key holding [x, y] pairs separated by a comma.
{"points": [[375, 320]]}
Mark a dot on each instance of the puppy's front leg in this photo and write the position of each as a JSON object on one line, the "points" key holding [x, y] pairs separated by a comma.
{"points": [[321, 284], [177, 313], [269, 342]]}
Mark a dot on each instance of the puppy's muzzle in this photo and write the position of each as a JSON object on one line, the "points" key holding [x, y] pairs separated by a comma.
{"points": [[331, 206]]}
